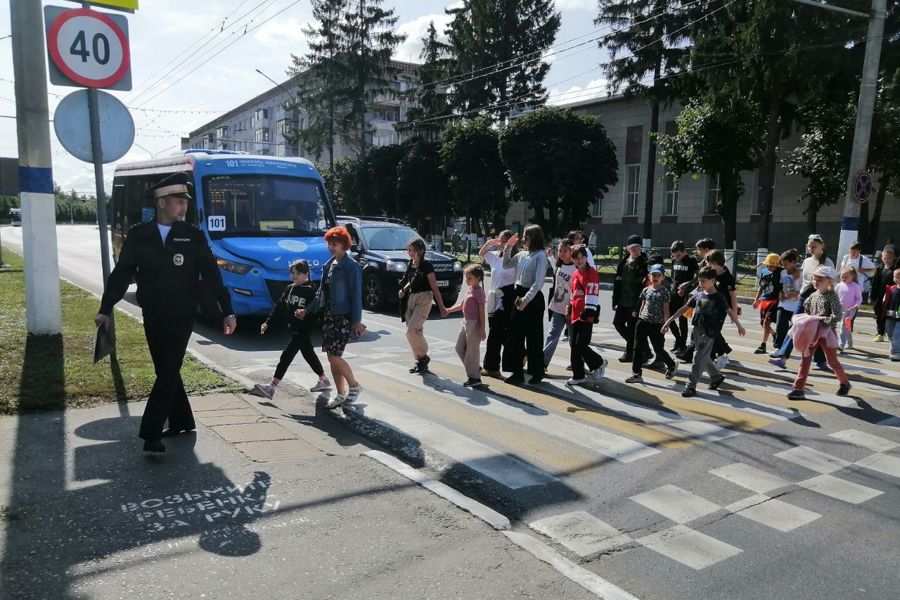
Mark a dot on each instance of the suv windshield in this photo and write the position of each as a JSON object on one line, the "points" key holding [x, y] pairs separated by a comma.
{"points": [[388, 238], [264, 206]]}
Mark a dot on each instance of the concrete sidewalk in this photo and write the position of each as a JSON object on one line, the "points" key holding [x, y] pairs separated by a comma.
{"points": [[258, 502]]}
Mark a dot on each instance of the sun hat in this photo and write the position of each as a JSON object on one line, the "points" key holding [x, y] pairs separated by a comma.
{"points": [[772, 261], [826, 272]]}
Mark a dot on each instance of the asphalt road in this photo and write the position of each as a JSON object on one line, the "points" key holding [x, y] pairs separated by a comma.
{"points": [[733, 494]]}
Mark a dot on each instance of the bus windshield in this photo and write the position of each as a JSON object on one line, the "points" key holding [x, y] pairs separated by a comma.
{"points": [[263, 206]]}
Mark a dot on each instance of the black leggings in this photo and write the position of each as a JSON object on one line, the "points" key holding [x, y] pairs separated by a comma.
{"points": [[782, 324], [499, 329], [624, 321], [526, 330], [300, 342]]}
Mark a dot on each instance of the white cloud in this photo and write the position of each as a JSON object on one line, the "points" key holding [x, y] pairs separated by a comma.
{"points": [[595, 88], [576, 5], [277, 33], [414, 31]]}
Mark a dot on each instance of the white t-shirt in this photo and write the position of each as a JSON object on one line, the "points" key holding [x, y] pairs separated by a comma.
{"points": [[861, 262], [791, 283], [562, 288], [500, 277], [809, 267], [163, 231]]}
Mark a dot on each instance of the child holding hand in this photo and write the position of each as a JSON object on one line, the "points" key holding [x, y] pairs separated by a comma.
{"points": [[850, 293], [472, 332]]}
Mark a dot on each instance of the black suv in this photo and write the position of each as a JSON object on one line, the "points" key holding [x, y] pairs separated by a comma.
{"points": [[380, 248]]}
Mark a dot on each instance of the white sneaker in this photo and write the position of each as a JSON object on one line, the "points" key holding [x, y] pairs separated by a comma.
{"points": [[321, 385], [721, 361], [336, 401], [572, 381], [895, 357], [353, 393], [598, 373], [266, 391]]}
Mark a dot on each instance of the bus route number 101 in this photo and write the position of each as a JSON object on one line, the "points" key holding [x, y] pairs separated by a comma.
{"points": [[216, 223]]}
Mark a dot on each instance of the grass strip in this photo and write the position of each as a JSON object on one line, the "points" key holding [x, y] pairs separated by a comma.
{"points": [[51, 372]]}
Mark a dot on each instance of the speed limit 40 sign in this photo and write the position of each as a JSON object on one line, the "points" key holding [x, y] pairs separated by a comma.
{"points": [[88, 48]]}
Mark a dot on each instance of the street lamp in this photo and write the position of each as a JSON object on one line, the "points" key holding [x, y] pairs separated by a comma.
{"points": [[278, 85]]}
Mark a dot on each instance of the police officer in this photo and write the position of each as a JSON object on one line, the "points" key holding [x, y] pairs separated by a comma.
{"points": [[167, 258]]}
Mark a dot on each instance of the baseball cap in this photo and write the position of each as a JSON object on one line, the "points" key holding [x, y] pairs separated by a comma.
{"points": [[657, 270], [633, 240]]}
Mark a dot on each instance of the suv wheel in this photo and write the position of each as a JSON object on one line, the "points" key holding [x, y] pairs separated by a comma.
{"points": [[373, 295]]}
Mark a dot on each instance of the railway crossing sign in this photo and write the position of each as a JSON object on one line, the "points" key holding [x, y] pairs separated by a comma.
{"points": [[862, 186], [88, 48]]}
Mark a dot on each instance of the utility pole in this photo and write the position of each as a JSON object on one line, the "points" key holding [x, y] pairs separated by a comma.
{"points": [[42, 301], [864, 111]]}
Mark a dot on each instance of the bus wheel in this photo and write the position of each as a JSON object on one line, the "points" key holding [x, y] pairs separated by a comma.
{"points": [[373, 295]]}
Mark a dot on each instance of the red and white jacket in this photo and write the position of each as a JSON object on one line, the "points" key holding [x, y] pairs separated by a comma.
{"points": [[585, 295]]}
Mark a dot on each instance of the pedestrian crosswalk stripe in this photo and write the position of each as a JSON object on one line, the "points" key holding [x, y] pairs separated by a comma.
{"points": [[840, 489], [501, 467], [562, 428], [691, 548], [751, 478], [582, 533], [866, 440], [676, 504], [813, 459], [882, 463], [773, 513]]}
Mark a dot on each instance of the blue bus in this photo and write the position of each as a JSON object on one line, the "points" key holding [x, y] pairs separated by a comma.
{"points": [[259, 213]]}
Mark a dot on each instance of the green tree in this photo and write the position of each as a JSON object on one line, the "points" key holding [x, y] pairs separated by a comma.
{"points": [[647, 40], [470, 158], [429, 98], [721, 136], [560, 163], [371, 40], [380, 196], [323, 92], [498, 48], [422, 187], [342, 181]]}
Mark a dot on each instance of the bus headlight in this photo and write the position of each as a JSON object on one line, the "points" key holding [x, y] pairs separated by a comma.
{"points": [[233, 267], [398, 266], [457, 266]]}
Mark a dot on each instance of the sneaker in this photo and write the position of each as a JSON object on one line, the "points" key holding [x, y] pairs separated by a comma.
{"points": [[635, 379], [321, 385], [490, 373], [536, 380], [823, 367], [627, 357], [689, 391], [760, 350], [796, 395], [721, 361], [336, 401], [515, 379], [895, 357], [844, 389], [572, 381], [656, 365], [670, 372], [841, 349], [778, 362], [472, 382], [353, 393], [714, 385], [154, 447], [266, 391], [879, 338], [598, 373], [776, 354]]}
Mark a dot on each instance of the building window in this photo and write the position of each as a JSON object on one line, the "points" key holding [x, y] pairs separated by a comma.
{"points": [[222, 131], [596, 208], [757, 193], [712, 194], [671, 203], [285, 127], [632, 186], [262, 135]]}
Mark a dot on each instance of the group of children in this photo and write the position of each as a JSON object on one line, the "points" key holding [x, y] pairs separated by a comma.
{"points": [[801, 305]]}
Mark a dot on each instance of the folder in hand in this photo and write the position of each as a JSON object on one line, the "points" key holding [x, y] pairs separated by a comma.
{"points": [[104, 343]]}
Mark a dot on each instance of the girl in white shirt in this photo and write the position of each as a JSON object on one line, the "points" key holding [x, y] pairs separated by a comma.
{"points": [[501, 294]]}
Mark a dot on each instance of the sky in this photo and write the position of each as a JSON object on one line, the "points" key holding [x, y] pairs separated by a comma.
{"points": [[192, 61]]}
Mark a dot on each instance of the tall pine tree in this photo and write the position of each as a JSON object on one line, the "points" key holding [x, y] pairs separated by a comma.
{"points": [[646, 47], [498, 54], [429, 97], [371, 41], [323, 92]]}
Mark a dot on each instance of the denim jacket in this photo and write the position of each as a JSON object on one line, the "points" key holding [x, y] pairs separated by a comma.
{"points": [[345, 289]]}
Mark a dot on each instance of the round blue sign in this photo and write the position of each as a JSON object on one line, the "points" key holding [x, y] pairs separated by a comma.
{"points": [[73, 126]]}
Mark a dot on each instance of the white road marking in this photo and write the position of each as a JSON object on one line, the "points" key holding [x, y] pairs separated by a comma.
{"points": [[866, 440], [582, 533], [598, 440], [691, 548], [676, 503], [840, 489], [751, 478], [813, 459], [490, 462], [883, 463], [773, 513]]}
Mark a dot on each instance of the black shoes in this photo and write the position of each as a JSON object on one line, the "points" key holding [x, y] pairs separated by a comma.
{"points": [[714, 385], [154, 447], [515, 379], [627, 357], [796, 395], [536, 380], [844, 390], [421, 365]]}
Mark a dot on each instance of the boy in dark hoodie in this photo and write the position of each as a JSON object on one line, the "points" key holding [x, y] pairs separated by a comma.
{"points": [[631, 276]]}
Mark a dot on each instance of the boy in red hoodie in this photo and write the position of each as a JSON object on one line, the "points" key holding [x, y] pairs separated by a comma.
{"points": [[583, 310]]}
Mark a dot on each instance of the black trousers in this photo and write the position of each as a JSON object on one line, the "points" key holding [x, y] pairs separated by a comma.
{"points": [[880, 321], [499, 329], [646, 334], [526, 333], [624, 322], [782, 324], [167, 338], [580, 344], [679, 328], [300, 342]]}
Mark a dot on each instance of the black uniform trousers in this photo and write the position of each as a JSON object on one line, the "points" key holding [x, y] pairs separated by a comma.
{"points": [[526, 330], [167, 338], [645, 335], [499, 329], [301, 343], [624, 321], [782, 325], [679, 328], [581, 351]]}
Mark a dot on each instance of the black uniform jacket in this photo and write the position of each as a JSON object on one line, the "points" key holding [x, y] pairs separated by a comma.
{"points": [[168, 276]]}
